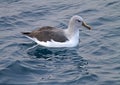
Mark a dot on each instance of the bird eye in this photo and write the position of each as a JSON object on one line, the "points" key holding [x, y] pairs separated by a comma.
{"points": [[78, 20]]}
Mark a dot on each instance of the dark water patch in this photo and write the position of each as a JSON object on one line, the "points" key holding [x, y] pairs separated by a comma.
{"points": [[12, 72], [6, 26], [112, 34], [7, 19], [84, 34], [1, 42], [9, 1], [62, 25], [103, 50], [21, 23], [117, 68], [96, 23], [23, 49], [89, 78], [27, 14], [4, 63], [106, 73], [10, 22], [40, 53], [34, 13], [108, 18], [112, 60], [95, 43], [111, 82], [81, 62], [20, 68], [16, 67], [16, 17], [40, 8], [6, 23], [62, 53], [59, 7], [24, 46], [10, 50], [68, 52], [89, 11], [111, 3]]}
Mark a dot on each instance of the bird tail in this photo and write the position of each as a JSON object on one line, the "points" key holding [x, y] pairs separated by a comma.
{"points": [[26, 33]]}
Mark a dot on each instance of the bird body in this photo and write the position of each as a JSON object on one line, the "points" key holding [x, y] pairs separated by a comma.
{"points": [[54, 37]]}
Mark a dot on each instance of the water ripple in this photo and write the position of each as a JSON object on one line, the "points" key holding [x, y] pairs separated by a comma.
{"points": [[111, 3], [95, 61]]}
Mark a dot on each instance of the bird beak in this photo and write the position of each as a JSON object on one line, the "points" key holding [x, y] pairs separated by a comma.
{"points": [[85, 25]]}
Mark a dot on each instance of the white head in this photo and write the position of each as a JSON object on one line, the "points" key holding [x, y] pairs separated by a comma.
{"points": [[77, 22]]}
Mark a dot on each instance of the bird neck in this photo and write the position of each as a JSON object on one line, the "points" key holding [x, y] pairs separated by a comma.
{"points": [[72, 30]]}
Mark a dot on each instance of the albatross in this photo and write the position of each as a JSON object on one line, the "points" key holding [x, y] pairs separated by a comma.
{"points": [[53, 37]]}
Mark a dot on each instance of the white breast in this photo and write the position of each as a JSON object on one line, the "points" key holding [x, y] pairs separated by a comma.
{"points": [[70, 43]]}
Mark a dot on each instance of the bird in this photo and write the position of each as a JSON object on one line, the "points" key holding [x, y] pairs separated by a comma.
{"points": [[49, 36]]}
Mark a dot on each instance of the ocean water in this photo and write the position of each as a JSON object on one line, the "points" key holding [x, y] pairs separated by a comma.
{"points": [[95, 61]]}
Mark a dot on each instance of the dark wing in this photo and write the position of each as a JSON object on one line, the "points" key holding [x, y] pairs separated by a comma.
{"points": [[46, 28], [47, 34]]}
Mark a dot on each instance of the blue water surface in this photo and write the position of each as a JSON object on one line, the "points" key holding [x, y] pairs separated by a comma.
{"points": [[95, 61]]}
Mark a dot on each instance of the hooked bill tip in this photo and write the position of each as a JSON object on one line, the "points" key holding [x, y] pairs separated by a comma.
{"points": [[87, 26]]}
